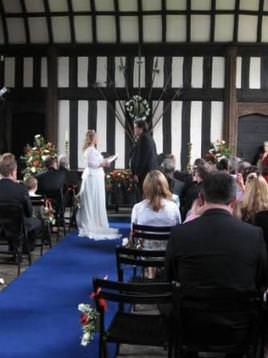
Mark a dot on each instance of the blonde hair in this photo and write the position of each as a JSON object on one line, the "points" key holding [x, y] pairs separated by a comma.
{"points": [[89, 140], [155, 188], [255, 196], [30, 183]]}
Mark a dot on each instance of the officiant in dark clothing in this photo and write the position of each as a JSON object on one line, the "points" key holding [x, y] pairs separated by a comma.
{"points": [[13, 192], [144, 156]]}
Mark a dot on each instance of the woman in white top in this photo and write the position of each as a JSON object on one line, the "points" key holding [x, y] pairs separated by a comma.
{"points": [[157, 209], [92, 218]]}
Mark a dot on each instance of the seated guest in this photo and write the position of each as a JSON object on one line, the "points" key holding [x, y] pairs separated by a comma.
{"points": [[13, 192], [71, 183], [217, 250], [223, 165], [51, 184], [255, 203], [52, 180], [157, 209], [168, 168], [190, 196], [31, 184]]}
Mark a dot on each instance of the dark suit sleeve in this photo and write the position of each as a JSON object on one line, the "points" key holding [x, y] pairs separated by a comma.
{"points": [[170, 264], [26, 203], [262, 269]]}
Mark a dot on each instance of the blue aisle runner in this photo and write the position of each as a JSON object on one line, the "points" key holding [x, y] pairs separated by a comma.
{"points": [[38, 311]]}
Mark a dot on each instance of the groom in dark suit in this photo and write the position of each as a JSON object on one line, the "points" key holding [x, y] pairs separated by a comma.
{"points": [[144, 156], [217, 250]]}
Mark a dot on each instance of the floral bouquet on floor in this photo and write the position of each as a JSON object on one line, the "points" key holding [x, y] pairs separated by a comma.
{"points": [[34, 157], [88, 320], [217, 151]]}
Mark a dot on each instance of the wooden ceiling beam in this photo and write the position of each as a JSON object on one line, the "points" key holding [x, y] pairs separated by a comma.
{"points": [[4, 22], [25, 20], [48, 19]]}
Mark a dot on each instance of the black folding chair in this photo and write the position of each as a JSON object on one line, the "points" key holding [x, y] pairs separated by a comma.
{"points": [[150, 238], [57, 200], [218, 320], [136, 259], [129, 327], [13, 235], [151, 233], [45, 233]]}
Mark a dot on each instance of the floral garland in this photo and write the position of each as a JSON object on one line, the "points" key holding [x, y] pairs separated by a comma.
{"points": [[120, 179], [34, 157], [218, 150], [88, 320], [138, 108]]}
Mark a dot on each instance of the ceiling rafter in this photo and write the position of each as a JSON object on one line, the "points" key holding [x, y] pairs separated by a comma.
{"points": [[136, 13], [236, 20], [93, 21], [164, 20], [117, 21], [260, 17], [48, 20], [140, 20], [212, 20], [188, 21], [26, 22], [71, 20], [4, 22]]}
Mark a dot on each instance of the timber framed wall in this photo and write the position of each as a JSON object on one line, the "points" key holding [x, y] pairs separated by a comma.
{"points": [[215, 50]]}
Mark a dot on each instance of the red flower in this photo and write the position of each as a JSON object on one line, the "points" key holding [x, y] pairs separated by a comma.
{"points": [[84, 319]]}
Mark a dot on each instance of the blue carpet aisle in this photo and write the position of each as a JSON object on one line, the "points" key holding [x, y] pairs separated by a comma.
{"points": [[38, 311]]}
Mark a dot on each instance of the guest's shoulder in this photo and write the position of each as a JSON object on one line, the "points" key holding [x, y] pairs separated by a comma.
{"points": [[140, 204]]}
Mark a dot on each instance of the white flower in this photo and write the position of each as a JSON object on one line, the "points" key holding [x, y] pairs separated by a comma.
{"points": [[85, 339], [37, 136], [33, 169], [2, 281], [82, 307]]}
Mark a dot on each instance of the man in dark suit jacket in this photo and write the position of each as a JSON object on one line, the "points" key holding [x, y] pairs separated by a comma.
{"points": [[51, 184], [13, 192], [217, 250], [144, 156]]}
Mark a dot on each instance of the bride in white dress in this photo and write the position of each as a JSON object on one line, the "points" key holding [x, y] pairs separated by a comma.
{"points": [[92, 218]]}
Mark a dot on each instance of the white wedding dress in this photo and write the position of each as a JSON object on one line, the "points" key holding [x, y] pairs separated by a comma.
{"points": [[91, 217]]}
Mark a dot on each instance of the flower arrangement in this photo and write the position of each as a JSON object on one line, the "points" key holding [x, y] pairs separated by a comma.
{"points": [[34, 157], [218, 150], [138, 108], [88, 320], [119, 178]]}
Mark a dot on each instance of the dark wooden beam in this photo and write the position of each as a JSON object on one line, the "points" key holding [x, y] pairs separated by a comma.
{"points": [[236, 20], [188, 21], [71, 20], [260, 17], [230, 100], [25, 20], [140, 20], [93, 21], [48, 18], [136, 13], [212, 20], [117, 21], [167, 49], [164, 21], [4, 22], [191, 94], [52, 96]]}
